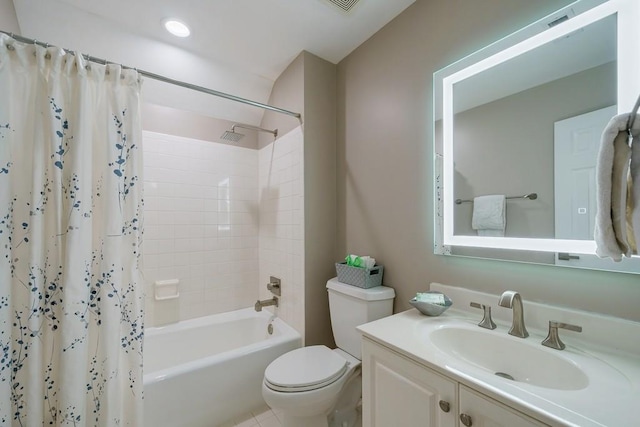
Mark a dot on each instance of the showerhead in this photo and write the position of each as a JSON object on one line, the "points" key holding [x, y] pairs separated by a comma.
{"points": [[232, 135]]}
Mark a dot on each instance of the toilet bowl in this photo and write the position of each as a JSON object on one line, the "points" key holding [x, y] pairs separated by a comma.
{"points": [[312, 385], [319, 387]]}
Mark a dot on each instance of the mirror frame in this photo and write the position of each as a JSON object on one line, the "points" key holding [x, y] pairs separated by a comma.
{"points": [[582, 12]]}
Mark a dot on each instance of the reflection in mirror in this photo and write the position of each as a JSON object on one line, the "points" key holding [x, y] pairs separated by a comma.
{"points": [[511, 128], [525, 117]]}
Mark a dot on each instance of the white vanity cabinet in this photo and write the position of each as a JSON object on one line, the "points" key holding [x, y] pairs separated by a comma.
{"points": [[483, 411], [398, 392]]}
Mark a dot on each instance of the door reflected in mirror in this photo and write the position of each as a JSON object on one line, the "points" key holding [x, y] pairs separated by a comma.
{"points": [[524, 116]]}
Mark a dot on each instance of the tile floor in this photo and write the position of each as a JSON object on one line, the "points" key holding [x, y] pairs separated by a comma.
{"points": [[261, 417], [266, 417]]}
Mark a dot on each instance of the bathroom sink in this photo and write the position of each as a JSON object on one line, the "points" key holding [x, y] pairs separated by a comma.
{"points": [[512, 358]]}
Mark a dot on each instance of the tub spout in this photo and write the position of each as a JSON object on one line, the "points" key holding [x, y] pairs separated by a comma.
{"points": [[266, 303]]}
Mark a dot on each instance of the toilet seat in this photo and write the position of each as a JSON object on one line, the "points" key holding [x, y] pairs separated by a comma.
{"points": [[305, 369]]}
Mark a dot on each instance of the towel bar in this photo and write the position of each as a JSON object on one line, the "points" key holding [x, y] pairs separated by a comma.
{"points": [[530, 196]]}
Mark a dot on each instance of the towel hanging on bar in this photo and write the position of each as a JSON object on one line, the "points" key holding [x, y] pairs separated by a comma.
{"points": [[489, 216], [617, 228], [633, 194], [530, 196]]}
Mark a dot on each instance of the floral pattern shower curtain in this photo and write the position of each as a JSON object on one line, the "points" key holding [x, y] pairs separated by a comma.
{"points": [[71, 298]]}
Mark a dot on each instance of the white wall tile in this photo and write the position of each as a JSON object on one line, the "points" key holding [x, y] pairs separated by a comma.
{"points": [[281, 183], [186, 218], [223, 219], [163, 218], [158, 246], [182, 225]]}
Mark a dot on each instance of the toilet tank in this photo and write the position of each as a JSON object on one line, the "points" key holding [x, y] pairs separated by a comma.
{"points": [[351, 307]]}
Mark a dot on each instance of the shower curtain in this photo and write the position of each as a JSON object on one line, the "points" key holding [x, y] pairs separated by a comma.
{"points": [[71, 297]]}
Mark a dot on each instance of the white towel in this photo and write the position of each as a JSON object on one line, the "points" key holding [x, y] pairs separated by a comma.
{"points": [[633, 215], [612, 170], [619, 182], [489, 215]]}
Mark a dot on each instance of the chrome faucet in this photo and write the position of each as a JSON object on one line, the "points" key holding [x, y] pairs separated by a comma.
{"points": [[266, 303], [512, 300]]}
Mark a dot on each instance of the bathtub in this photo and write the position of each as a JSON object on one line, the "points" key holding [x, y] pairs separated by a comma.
{"points": [[205, 371]]}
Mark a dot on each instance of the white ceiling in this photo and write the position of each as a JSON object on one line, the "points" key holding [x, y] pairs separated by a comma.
{"points": [[236, 46]]}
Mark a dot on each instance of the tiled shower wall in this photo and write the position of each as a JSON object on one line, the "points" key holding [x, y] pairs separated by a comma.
{"points": [[282, 224], [201, 226], [222, 220]]}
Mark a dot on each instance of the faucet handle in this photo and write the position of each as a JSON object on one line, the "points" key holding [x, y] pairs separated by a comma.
{"points": [[274, 286], [486, 321], [553, 338]]}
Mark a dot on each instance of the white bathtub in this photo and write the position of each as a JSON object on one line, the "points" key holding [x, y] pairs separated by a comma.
{"points": [[205, 371]]}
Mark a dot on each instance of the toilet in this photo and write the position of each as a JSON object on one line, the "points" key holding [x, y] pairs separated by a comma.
{"points": [[316, 386]]}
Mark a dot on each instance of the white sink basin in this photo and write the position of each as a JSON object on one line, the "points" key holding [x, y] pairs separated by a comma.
{"points": [[514, 359], [594, 382]]}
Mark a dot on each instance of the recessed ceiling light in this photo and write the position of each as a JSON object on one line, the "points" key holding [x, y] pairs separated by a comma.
{"points": [[177, 28]]}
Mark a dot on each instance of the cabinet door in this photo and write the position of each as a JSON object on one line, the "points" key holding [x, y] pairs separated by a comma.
{"points": [[485, 412], [400, 393]]}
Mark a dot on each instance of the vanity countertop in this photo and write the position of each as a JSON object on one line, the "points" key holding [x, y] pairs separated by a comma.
{"points": [[608, 398]]}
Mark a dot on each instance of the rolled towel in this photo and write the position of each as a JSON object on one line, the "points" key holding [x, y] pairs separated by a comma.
{"points": [[612, 172], [619, 184], [489, 215], [633, 208], [631, 237]]}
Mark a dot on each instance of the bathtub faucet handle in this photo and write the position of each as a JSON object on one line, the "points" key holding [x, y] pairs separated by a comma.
{"points": [[274, 286]]}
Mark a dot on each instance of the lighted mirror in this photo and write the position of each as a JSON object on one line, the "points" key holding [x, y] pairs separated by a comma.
{"points": [[522, 118]]}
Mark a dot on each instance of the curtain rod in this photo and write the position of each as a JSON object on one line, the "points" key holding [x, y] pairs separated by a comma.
{"points": [[165, 79]]}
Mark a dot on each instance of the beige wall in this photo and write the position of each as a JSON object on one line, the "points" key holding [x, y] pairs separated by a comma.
{"points": [[8, 20], [287, 93], [308, 86], [385, 185], [320, 194]]}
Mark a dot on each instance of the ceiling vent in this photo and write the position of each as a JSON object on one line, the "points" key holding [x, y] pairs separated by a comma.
{"points": [[344, 5]]}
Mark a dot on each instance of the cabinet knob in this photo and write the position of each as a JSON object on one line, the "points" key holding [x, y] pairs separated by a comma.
{"points": [[466, 420], [444, 406]]}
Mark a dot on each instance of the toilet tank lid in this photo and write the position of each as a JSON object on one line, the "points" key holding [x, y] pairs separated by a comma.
{"points": [[376, 293]]}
